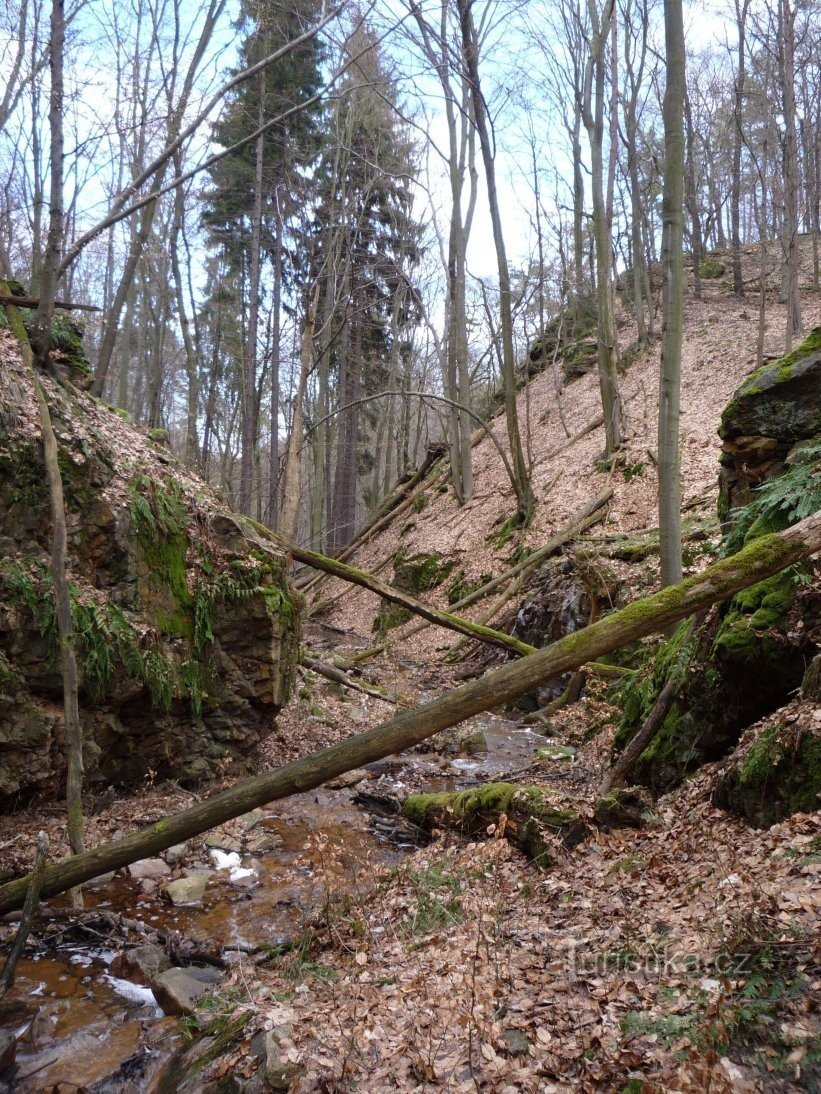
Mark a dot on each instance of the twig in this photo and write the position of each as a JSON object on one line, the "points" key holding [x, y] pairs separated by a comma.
{"points": [[32, 903]]}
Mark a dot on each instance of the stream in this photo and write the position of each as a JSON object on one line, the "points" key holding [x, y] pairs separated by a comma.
{"points": [[78, 1024]]}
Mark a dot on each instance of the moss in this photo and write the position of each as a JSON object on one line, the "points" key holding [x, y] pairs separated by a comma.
{"points": [[710, 269], [505, 533], [419, 503], [389, 616], [489, 800], [768, 376], [418, 573], [780, 775], [463, 587], [159, 520]]}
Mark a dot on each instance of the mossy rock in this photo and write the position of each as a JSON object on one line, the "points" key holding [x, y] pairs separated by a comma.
{"points": [[463, 586], [711, 268], [528, 811], [621, 809], [776, 772], [781, 399], [389, 616], [419, 573], [744, 662]]}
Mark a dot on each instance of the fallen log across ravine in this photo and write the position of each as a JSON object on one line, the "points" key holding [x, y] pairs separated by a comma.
{"points": [[758, 560], [443, 619]]}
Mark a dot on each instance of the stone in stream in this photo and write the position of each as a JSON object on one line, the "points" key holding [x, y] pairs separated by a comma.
{"points": [[177, 990], [176, 854], [142, 965], [8, 1050], [222, 843], [556, 753], [149, 867], [474, 745], [186, 890]]}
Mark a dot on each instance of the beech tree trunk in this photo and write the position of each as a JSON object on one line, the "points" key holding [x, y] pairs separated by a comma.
{"points": [[673, 299], [760, 559]]}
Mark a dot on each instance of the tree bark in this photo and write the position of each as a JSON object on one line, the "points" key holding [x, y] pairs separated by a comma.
{"points": [[30, 906], [741, 8], [760, 559], [524, 491], [593, 116], [673, 300], [292, 478]]}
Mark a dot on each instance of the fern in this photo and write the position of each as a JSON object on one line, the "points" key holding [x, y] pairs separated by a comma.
{"points": [[783, 501]]}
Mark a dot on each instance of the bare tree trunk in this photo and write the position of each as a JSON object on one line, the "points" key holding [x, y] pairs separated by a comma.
{"points": [[692, 198], [758, 560], [524, 492], [292, 478], [249, 387], [276, 335], [741, 9], [673, 299], [791, 292], [593, 115]]}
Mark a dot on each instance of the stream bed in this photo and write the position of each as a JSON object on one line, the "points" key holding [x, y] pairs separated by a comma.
{"points": [[78, 1026]]}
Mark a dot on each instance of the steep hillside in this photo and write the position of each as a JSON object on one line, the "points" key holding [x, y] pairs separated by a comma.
{"points": [[719, 352]]}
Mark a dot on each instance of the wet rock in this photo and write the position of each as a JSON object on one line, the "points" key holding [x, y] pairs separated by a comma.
{"points": [[186, 890], [222, 843], [556, 754], [474, 745], [348, 779], [263, 841], [177, 990], [515, 1043], [8, 1050], [252, 819], [176, 854], [142, 965], [149, 867]]}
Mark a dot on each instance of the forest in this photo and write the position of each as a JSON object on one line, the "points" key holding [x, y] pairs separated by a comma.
{"points": [[410, 522]]}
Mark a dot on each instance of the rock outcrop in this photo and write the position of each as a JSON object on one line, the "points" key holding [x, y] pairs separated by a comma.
{"points": [[751, 654], [187, 628], [776, 408]]}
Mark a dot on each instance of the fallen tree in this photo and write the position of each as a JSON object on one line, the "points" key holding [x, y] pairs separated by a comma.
{"points": [[367, 581], [760, 559], [589, 515]]}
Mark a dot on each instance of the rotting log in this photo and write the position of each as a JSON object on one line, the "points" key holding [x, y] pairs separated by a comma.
{"points": [[338, 676], [367, 581], [758, 560]]}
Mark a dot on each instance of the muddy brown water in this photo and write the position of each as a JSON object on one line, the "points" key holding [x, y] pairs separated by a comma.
{"points": [[79, 1026]]}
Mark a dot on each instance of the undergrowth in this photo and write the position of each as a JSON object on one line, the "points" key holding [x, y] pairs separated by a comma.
{"points": [[781, 501]]}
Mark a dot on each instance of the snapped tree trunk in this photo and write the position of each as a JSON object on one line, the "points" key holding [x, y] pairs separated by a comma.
{"points": [[760, 559]]}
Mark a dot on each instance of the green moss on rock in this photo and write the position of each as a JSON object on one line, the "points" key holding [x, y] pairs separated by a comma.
{"points": [[418, 573], [777, 775]]}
